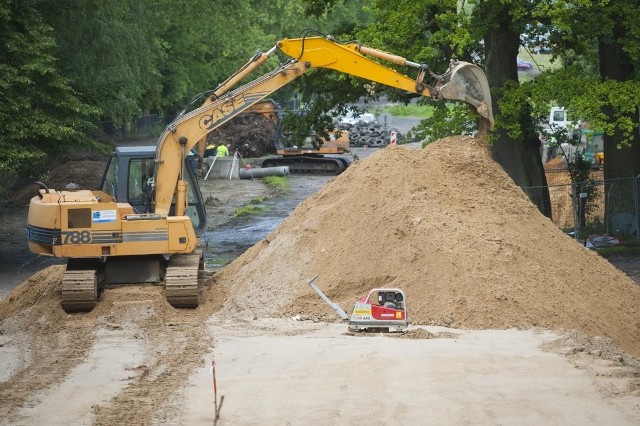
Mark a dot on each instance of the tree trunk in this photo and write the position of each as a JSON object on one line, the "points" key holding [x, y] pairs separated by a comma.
{"points": [[622, 160], [522, 159]]}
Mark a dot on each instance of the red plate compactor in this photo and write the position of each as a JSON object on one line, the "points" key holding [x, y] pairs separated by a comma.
{"points": [[381, 309]]}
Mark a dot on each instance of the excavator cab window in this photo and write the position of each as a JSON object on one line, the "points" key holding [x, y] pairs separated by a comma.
{"points": [[138, 188], [128, 178], [110, 179], [196, 209]]}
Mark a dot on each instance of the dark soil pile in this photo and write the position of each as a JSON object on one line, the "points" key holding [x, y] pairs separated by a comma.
{"points": [[447, 225], [251, 135], [84, 169]]}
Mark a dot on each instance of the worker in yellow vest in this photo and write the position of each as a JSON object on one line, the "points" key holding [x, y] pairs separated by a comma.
{"points": [[210, 150], [222, 150]]}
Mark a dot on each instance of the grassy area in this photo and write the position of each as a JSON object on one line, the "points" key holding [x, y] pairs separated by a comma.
{"points": [[254, 207], [631, 248], [217, 263], [278, 182], [541, 61], [410, 110]]}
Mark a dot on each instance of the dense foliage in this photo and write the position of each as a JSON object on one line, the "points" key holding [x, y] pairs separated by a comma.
{"points": [[72, 67], [40, 113]]}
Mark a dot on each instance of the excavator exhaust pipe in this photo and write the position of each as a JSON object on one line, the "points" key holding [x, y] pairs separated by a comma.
{"points": [[467, 82]]}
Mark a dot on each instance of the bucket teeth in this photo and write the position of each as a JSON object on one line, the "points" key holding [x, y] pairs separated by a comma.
{"points": [[467, 82]]}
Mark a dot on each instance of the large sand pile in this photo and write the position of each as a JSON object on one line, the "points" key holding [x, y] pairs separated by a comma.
{"points": [[448, 226], [445, 223]]}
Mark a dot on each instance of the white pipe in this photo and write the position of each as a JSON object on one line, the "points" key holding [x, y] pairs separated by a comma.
{"points": [[211, 167]]}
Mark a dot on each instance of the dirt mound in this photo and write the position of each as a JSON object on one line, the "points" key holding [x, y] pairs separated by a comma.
{"points": [[448, 226], [86, 172], [251, 135], [40, 292], [39, 297], [557, 163]]}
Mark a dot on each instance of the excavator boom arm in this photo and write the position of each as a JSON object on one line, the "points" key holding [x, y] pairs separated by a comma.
{"points": [[319, 52], [461, 81], [184, 132]]}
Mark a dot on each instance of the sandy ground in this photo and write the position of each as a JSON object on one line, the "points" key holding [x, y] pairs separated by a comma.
{"points": [[305, 373], [136, 360], [283, 371]]}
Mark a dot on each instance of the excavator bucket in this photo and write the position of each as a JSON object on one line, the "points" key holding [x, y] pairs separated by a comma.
{"points": [[467, 82]]}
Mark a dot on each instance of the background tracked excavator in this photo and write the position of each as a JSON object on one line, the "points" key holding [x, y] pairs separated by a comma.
{"points": [[301, 158], [144, 224]]}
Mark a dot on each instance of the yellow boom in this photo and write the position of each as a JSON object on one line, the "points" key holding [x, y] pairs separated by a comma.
{"points": [[462, 81]]}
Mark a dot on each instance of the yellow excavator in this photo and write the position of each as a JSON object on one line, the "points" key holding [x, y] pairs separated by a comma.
{"points": [[302, 157], [327, 159], [145, 222]]}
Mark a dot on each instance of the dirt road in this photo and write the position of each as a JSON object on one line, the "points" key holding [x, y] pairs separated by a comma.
{"points": [[136, 360], [137, 363], [305, 373]]}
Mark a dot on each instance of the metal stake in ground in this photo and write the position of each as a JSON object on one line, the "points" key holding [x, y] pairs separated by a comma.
{"points": [[217, 407]]}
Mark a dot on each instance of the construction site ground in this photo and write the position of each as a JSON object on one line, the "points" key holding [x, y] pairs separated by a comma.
{"points": [[512, 321]]}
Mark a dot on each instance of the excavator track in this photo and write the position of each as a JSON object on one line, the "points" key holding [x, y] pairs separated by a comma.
{"points": [[79, 290], [183, 280], [309, 164]]}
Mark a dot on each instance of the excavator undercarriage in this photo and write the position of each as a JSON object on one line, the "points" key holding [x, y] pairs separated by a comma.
{"points": [[310, 164], [84, 280]]}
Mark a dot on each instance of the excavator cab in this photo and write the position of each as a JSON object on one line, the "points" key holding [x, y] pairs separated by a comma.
{"points": [[128, 179]]}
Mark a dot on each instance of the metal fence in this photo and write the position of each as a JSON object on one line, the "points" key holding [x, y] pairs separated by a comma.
{"points": [[596, 207], [141, 127]]}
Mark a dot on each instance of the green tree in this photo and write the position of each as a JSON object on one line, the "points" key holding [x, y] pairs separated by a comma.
{"points": [[202, 43], [41, 114], [618, 40], [516, 143], [104, 52], [597, 43], [130, 58]]}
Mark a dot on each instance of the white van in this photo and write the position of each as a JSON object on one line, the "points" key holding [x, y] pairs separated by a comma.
{"points": [[351, 118], [561, 119]]}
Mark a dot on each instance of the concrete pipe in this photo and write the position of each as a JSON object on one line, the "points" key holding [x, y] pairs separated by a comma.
{"points": [[263, 171]]}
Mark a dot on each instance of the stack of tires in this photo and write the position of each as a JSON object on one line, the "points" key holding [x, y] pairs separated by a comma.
{"points": [[369, 134]]}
